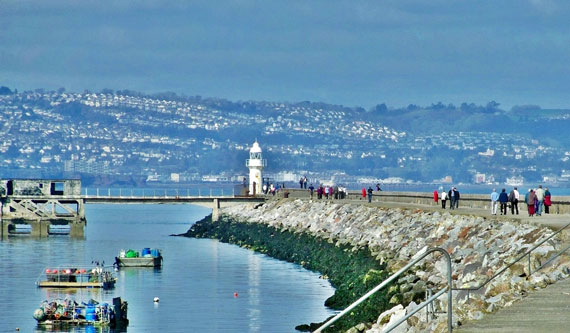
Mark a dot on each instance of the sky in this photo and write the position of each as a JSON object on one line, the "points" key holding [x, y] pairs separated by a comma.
{"points": [[353, 53]]}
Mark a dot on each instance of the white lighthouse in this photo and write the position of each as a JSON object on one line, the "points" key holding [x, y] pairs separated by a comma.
{"points": [[255, 163]]}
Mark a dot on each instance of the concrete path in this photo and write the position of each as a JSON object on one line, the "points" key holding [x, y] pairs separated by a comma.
{"points": [[545, 310], [554, 221]]}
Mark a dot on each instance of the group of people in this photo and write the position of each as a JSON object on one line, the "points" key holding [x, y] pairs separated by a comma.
{"points": [[536, 200], [303, 182], [270, 188], [452, 195], [326, 191], [503, 199]]}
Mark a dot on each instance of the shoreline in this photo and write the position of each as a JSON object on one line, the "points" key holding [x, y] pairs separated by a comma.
{"points": [[352, 272]]}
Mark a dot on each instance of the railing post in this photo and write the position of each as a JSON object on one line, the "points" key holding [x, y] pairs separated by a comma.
{"points": [[109, 192], [199, 192], [210, 192], [97, 192], [529, 270]]}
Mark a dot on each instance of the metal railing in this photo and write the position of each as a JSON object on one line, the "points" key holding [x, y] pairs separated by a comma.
{"points": [[526, 254], [419, 307], [158, 193]]}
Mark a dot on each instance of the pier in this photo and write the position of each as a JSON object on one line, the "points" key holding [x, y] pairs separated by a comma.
{"points": [[44, 207]]}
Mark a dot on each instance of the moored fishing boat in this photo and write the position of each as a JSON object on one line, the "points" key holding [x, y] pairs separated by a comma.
{"points": [[73, 276], [146, 258], [67, 312]]}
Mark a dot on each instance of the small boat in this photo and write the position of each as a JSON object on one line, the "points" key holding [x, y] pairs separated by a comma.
{"points": [[67, 312], [146, 258], [72, 276]]}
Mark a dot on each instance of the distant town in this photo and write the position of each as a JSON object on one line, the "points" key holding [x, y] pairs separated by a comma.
{"points": [[130, 138]]}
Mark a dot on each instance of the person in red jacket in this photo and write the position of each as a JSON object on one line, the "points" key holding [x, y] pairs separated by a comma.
{"points": [[364, 193], [435, 196]]}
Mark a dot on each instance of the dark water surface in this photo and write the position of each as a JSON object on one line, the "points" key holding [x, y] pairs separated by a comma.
{"points": [[196, 285]]}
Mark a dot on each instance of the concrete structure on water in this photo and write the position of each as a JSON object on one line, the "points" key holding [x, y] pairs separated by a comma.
{"points": [[43, 207], [40, 207]]}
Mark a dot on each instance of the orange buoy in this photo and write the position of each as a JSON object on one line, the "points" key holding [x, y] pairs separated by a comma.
{"points": [[236, 294], [48, 271]]}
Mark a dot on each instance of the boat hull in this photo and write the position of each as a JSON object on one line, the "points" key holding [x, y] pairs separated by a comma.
{"points": [[61, 284], [140, 262]]}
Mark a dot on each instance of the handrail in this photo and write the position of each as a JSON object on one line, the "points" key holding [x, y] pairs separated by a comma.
{"points": [[519, 259], [394, 276]]}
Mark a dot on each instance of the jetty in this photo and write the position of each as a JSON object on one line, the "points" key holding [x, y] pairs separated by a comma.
{"points": [[51, 207], [504, 267]]}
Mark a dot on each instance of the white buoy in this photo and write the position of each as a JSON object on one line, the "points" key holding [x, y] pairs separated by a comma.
{"points": [[156, 299]]}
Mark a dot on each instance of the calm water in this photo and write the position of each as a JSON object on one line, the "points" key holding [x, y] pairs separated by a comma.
{"points": [[196, 285]]}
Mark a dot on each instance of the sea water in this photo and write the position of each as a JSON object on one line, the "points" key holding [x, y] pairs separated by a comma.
{"points": [[203, 286]]}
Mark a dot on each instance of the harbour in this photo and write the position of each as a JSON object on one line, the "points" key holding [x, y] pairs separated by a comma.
{"points": [[213, 286]]}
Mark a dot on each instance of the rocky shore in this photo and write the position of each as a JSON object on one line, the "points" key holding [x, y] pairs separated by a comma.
{"points": [[479, 247]]}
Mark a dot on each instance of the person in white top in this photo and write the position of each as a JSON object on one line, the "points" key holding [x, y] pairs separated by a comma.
{"points": [[494, 199], [540, 197], [443, 199]]}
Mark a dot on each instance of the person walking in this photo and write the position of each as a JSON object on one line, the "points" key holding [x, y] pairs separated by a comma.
{"points": [[539, 200], [494, 200], [435, 197], [456, 197], [443, 199], [451, 195], [547, 201], [370, 194], [529, 199], [311, 190], [514, 200], [503, 199]]}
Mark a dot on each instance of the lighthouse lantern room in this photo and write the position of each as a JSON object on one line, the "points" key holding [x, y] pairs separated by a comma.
{"points": [[255, 163]]}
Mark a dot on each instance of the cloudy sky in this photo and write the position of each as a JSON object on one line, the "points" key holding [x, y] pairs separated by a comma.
{"points": [[355, 53]]}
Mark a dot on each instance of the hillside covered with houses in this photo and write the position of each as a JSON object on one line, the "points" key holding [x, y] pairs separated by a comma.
{"points": [[126, 137]]}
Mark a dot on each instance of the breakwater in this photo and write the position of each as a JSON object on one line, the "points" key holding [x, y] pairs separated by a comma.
{"points": [[479, 248], [351, 271]]}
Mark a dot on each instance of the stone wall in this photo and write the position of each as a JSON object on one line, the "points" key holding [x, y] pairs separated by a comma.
{"points": [[560, 204], [479, 247]]}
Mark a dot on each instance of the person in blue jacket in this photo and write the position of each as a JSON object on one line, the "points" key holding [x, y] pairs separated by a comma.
{"points": [[503, 199]]}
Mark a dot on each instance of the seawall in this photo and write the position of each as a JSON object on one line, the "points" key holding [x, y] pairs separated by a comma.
{"points": [[560, 204], [479, 248]]}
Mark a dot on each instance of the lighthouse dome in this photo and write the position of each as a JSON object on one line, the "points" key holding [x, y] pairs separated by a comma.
{"points": [[255, 148]]}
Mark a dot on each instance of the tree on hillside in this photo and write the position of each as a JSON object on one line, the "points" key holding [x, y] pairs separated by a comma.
{"points": [[5, 91]]}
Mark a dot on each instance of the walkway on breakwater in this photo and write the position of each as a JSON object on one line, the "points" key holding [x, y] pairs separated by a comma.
{"points": [[554, 221], [545, 310]]}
